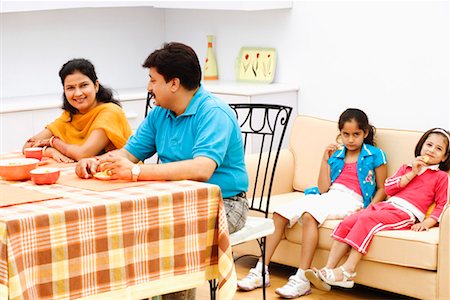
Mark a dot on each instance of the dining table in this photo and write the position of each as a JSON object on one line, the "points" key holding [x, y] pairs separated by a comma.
{"points": [[111, 239]]}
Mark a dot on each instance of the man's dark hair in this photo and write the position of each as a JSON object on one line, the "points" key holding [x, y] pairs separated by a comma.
{"points": [[176, 60]]}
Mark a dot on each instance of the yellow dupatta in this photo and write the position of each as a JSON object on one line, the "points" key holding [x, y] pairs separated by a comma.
{"points": [[107, 116]]}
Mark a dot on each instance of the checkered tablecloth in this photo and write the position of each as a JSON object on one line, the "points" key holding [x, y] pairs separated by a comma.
{"points": [[89, 242]]}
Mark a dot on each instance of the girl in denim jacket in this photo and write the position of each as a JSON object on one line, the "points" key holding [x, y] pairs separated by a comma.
{"points": [[351, 177]]}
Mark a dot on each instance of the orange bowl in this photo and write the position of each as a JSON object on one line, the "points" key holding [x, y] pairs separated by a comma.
{"points": [[17, 168], [44, 175], [35, 152]]}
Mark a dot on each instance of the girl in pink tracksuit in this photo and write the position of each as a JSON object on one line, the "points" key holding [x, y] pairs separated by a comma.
{"points": [[412, 189]]}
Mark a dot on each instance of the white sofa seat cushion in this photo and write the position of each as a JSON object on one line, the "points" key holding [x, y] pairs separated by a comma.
{"points": [[387, 246], [406, 248]]}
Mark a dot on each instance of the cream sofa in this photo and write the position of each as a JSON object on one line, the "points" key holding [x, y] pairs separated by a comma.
{"points": [[415, 264]]}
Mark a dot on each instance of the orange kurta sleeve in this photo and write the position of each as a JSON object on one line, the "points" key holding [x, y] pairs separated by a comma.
{"points": [[107, 116]]}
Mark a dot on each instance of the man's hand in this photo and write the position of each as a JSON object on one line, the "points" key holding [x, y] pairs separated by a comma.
{"points": [[87, 167], [118, 166]]}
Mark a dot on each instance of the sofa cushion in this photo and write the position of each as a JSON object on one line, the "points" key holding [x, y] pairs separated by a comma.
{"points": [[309, 137], [398, 145], [406, 248], [387, 246], [285, 169]]}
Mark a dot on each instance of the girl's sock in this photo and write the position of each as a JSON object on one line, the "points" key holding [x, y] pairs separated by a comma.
{"points": [[301, 274], [259, 267]]}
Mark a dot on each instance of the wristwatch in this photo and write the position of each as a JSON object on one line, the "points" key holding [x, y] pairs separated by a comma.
{"points": [[135, 171]]}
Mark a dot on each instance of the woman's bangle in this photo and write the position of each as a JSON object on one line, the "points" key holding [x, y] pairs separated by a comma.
{"points": [[43, 150], [407, 177], [51, 140]]}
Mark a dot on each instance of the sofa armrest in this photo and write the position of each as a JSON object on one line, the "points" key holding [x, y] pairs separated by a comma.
{"points": [[284, 173], [443, 276]]}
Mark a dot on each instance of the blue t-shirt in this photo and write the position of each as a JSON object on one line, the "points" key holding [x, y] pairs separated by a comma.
{"points": [[207, 128]]}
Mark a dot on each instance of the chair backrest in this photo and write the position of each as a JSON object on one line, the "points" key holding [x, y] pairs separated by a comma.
{"points": [[263, 127], [149, 104]]}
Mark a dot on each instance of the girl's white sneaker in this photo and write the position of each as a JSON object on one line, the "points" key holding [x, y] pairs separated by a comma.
{"points": [[253, 280], [294, 288]]}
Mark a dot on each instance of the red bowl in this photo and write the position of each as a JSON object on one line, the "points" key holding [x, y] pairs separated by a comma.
{"points": [[44, 175], [35, 152], [17, 168]]}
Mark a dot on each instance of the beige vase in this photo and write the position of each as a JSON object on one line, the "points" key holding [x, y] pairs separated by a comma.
{"points": [[210, 69]]}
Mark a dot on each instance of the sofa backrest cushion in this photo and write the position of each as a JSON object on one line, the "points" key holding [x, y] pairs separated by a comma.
{"points": [[399, 146], [310, 136]]}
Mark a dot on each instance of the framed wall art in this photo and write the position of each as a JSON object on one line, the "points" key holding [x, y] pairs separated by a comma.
{"points": [[256, 64]]}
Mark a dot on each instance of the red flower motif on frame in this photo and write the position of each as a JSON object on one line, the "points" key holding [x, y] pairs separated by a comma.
{"points": [[256, 65], [246, 63]]}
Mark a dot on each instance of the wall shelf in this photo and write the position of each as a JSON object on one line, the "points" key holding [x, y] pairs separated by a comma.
{"points": [[247, 89], [225, 5], [9, 6]]}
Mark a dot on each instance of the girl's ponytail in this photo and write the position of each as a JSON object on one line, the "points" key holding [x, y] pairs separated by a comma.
{"points": [[370, 136]]}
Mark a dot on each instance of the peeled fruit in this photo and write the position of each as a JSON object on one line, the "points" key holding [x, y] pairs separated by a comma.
{"points": [[102, 175]]}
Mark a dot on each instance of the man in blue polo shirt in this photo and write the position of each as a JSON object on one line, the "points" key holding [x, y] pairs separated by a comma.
{"points": [[195, 134]]}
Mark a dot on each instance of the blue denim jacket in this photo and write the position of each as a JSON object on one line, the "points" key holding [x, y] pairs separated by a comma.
{"points": [[369, 159]]}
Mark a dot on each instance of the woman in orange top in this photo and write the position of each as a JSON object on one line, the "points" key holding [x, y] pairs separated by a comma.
{"points": [[92, 122]]}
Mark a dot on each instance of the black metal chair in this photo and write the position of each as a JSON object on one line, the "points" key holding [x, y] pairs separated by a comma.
{"points": [[263, 127], [149, 104]]}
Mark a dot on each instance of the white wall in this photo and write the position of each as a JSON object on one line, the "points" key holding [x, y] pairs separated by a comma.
{"points": [[389, 58], [34, 45]]}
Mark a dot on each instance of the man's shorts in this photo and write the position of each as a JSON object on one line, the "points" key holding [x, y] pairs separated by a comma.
{"points": [[236, 208]]}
